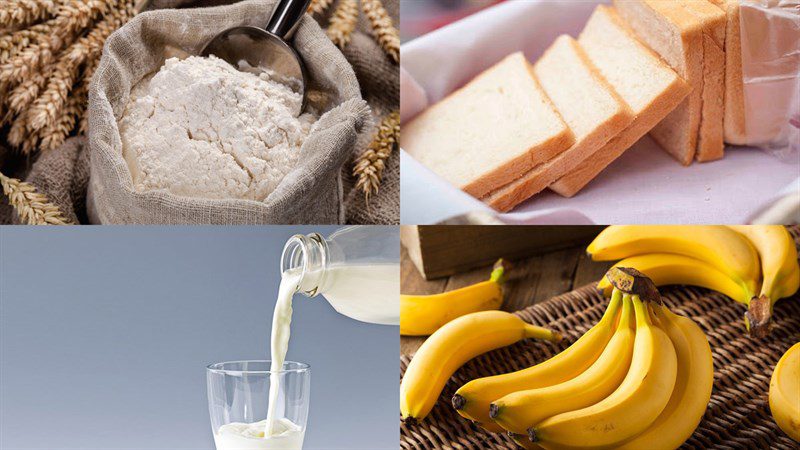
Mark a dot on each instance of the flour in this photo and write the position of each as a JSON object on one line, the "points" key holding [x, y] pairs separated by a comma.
{"points": [[201, 128]]}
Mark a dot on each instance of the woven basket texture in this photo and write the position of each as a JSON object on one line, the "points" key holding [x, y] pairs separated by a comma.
{"points": [[737, 417]]}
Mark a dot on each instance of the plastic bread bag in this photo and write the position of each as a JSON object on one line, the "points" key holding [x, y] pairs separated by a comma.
{"points": [[770, 63]]}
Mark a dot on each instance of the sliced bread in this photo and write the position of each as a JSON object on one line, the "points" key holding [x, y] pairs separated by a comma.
{"points": [[591, 108], [710, 140], [492, 130], [647, 85], [677, 36], [734, 122]]}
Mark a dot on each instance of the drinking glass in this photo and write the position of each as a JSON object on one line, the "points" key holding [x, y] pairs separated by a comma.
{"points": [[238, 398]]}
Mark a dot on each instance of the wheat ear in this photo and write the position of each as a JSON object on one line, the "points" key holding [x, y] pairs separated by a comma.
{"points": [[20, 13], [48, 107], [370, 165], [32, 207], [319, 6], [383, 28], [343, 22], [55, 134]]}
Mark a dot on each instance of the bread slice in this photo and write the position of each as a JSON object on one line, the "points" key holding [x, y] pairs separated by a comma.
{"points": [[677, 36], [734, 122], [710, 144], [588, 104], [650, 88], [489, 132]]}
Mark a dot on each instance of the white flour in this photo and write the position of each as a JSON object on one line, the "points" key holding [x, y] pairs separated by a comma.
{"points": [[201, 128]]}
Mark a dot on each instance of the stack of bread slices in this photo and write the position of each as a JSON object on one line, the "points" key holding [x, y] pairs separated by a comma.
{"points": [[668, 68]]}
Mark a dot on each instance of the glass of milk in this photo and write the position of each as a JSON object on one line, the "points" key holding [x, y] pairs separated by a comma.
{"points": [[356, 269], [238, 401]]}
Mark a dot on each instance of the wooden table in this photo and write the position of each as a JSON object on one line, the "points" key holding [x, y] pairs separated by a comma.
{"points": [[532, 280]]}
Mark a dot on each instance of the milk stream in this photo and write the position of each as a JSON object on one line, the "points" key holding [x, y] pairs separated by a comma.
{"points": [[281, 329]]}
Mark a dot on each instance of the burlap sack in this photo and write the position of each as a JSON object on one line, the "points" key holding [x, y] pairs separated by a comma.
{"points": [[311, 193]]}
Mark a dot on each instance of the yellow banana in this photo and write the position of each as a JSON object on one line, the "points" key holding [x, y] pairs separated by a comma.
{"points": [[451, 346], [784, 393], [518, 411], [421, 315], [692, 391], [719, 246], [472, 400], [779, 267], [665, 269], [631, 408]]}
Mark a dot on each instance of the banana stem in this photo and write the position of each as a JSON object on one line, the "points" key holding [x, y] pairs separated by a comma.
{"points": [[500, 271], [758, 316]]}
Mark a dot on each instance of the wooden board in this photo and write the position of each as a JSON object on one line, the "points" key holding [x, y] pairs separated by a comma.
{"points": [[440, 251]]}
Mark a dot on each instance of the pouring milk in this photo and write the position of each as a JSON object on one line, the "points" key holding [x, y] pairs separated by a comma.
{"points": [[357, 284]]}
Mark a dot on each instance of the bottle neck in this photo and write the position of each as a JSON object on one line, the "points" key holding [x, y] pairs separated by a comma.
{"points": [[310, 256]]}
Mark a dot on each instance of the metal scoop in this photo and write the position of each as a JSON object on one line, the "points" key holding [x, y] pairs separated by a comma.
{"points": [[256, 50]]}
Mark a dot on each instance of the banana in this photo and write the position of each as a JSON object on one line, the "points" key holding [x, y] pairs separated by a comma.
{"points": [[692, 391], [784, 393], [631, 408], [779, 267], [472, 400], [518, 411], [455, 343], [665, 269], [719, 246], [421, 315]]}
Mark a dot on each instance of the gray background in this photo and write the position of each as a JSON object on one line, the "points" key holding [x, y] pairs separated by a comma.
{"points": [[105, 333]]}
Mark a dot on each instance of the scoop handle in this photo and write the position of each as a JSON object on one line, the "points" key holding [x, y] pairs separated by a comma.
{"points": [[286, 17]]}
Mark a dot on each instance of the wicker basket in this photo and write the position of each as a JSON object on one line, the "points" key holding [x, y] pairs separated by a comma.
{"points": [[737, 416]]}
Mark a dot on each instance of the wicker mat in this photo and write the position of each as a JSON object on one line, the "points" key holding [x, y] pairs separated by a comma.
{"points": [[737, 417]]}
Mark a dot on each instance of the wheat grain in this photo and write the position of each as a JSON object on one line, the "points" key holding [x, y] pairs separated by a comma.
{"points": [[343, 22], [383, 29], [33, 208], [319, 6], [369, 165]]}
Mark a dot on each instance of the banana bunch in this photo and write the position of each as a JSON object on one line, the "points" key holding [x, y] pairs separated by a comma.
{"points": [[784, 393], [641, 378], [450, 347], [755, 265], [421, 315]]}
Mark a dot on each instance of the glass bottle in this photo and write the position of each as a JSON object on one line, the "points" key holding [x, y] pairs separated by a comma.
{"points": [[356, 269]]}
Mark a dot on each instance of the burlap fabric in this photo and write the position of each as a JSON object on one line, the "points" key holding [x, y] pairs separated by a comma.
{"points": [[379, 82]]}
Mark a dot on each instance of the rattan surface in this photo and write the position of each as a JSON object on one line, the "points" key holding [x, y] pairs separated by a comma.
{"points": [[737, 417]]}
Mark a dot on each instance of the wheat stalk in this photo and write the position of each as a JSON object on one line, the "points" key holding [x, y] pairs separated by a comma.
{"points": [[20, 13], [370, 165], [383, 28], [343, 22], [32, 207]]}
